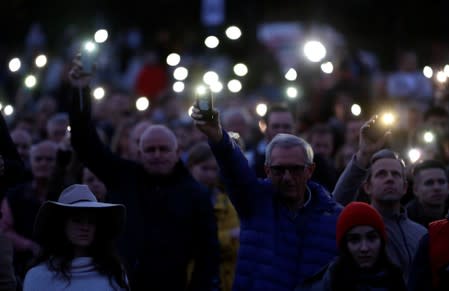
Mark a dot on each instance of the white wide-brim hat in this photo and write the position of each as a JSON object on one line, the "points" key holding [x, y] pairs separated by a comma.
{"points": [[111, 217]]}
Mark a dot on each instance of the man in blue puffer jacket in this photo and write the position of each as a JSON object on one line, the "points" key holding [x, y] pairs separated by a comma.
{"points": [[287, 222]]}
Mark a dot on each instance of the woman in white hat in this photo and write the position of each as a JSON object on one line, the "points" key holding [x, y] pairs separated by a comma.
{"points": [[77, 236]]}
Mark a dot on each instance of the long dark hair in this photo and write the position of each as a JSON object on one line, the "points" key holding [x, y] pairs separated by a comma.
{"points": [[58, 253], [345, 271]]}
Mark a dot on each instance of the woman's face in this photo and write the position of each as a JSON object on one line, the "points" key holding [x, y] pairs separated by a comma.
{"points": [[364, 245], [80, 229]]}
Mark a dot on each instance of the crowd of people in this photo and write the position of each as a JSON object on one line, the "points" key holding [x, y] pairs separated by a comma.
{"points": [[96, 195]]}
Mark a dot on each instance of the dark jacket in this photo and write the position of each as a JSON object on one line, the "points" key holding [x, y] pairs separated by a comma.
{"points": [[170, 219], [278, 248]]}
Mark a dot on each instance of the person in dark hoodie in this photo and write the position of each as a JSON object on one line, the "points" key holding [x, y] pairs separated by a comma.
{"points": [[170, 219]]}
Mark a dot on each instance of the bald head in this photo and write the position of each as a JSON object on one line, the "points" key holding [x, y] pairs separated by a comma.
{"points": [[158, 150]]}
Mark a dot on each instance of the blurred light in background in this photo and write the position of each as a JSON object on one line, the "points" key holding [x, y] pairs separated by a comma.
{"points": [[211, 41], [446, 70], [234, 86], [201, 89], [178, 87], [427, 72], [180, 73], [142, 103], [240, 69], [314, 51], [414, 155], [8, 110], [327, 68], [291, 75], [189, 112], [14, 65], [101, 35], [89, 46], [388, 118], [216, 87], [40, 61], [428, 137], [441, 76], [1, 106], [356, 110], [99, 93], [291, 92], [233, 32], [210, 77], [30, 81], [173, 59], [261, 109]]}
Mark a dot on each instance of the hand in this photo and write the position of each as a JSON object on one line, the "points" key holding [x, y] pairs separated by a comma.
{"points": [[77, 77], [211, 128], [368, 147]]}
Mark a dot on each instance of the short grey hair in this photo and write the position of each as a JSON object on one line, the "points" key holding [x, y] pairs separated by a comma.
{"points": [[285, 140]]}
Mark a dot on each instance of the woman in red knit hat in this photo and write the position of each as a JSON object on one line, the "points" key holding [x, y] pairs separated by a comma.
{"points": [[363, 263]]}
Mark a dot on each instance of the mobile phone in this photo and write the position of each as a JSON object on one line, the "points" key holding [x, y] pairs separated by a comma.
{"points": [[380, 126], [89, 51], [204, 102]]}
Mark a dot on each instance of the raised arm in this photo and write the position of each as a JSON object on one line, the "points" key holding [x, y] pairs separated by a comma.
{"points": [[240, 180], [84, 138], [351, 179]]}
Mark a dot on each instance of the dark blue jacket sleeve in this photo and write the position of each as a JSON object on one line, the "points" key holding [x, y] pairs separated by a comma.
{"points": [[420, 278]]}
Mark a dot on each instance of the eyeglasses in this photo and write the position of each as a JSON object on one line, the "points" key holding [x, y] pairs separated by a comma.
{"points": [[292, 169]]}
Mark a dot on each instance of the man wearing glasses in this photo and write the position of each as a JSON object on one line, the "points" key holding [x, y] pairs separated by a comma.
{"points": [[287, 221]]}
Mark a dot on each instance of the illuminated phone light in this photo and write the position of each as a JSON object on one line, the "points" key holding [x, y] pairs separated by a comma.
{"points": [[90, 46], [14, 64], [40, 61], [234, 86], [178, 87], [414, 155], [211, 41], [441, 77], [1, 106], [142, 103], [173, 59], [291, 75], [201, 89], [428, 137], [101, 35], [388, 118], [427, 72], [216, 87], [314, 51], [261, 109], [99, 93], [240, 69], [233, 32], [180, 73], [356, 110], [189, 112], [30, 81], [292, 92], [69, 129], [8, 110], [446, 70], [327, 68], [210, 77]]}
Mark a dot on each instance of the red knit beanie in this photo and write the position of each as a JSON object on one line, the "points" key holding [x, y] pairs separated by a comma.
{"points": [[356, 214]]}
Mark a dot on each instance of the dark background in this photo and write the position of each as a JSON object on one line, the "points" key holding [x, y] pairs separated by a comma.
{"points": [[381, 26]]}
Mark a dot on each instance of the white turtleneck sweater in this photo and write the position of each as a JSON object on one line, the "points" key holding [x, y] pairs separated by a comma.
{"points": [[84, 277]]}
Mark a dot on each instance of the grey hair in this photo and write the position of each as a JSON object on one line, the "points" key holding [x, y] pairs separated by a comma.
{"points": [[285, 140]]}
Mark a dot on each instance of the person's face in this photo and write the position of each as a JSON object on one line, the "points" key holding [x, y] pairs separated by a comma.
{"points": [[95, 185], [57, 131], [279, 122], [43, 160], [206, 172], [431, 187], [364, 244], [323, 144], [134, 141], [22, 140], [387, 182], [80, 229], [289, 171], [158, 152]]}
